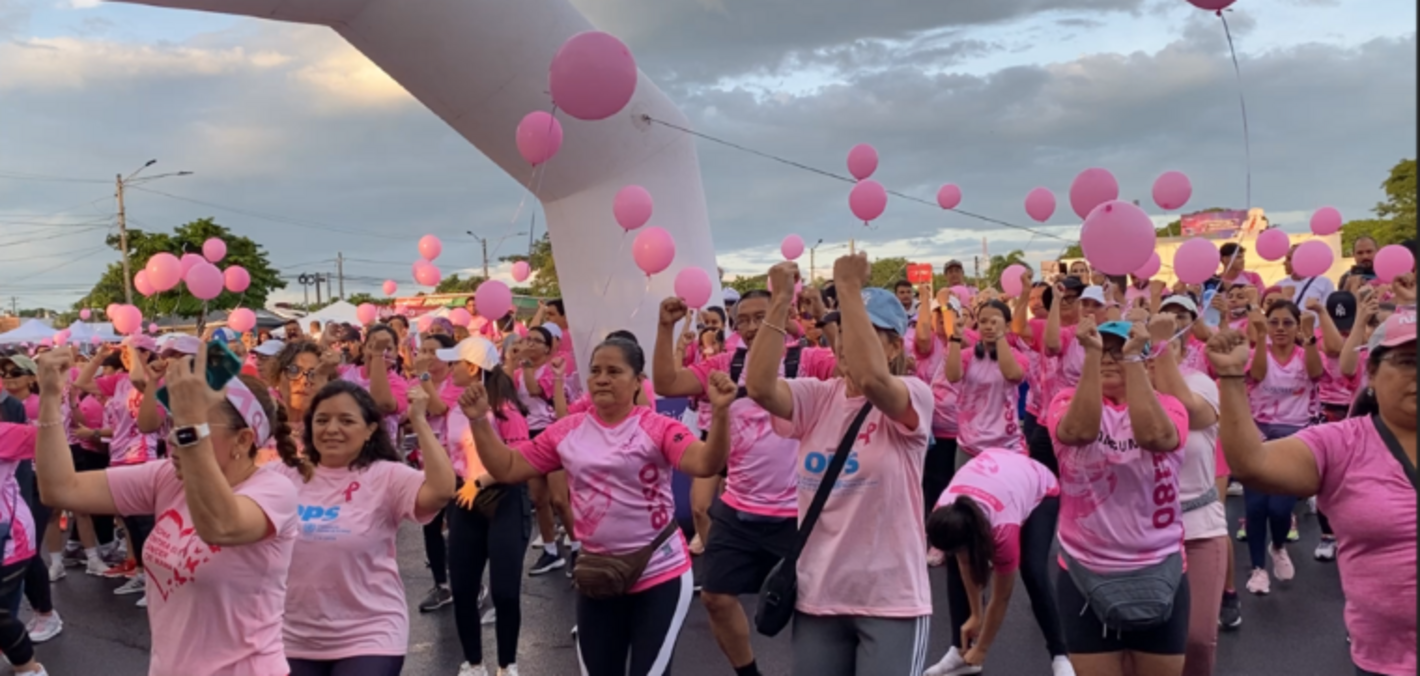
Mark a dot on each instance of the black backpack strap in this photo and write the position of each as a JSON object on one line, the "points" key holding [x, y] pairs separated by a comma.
{"points": [[830, 477], [737, 366], [1395, 449], [791, 361]]}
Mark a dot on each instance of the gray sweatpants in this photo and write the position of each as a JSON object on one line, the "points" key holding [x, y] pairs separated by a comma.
{"points": [[848, 645]]}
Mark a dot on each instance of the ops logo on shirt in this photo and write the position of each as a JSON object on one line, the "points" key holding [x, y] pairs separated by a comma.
{"points": [[817, 463], [318, 513]]}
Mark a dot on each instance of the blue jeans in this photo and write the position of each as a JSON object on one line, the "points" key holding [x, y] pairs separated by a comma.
{"points": [[1268, 512]]}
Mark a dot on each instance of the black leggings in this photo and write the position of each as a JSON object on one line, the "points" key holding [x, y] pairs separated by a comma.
{"points": [[14, 637], [643, 626], [365, 665], [139, 526], [474, 541], [436, 550], [36, 572], [938, 470], [1037, 535], [1039, 444]]}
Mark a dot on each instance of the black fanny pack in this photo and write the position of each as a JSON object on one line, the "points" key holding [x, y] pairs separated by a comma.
{"points": [[1133, 600]]}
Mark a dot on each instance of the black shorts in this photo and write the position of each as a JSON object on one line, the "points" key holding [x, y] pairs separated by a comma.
{"points": [[86, 460], [1085, 634], [740, 553]]}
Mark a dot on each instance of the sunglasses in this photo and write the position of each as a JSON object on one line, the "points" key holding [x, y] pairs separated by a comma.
{"points": [[15, 373]]}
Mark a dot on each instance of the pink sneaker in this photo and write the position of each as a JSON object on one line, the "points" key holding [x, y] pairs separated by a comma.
{"points": [[1282, 564], [1259, 582]]}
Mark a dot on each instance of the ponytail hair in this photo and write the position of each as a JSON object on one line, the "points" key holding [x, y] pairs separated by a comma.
{"points": [[961, 527]]}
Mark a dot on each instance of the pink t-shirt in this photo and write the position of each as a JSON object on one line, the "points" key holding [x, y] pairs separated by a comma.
{"points": [[1335, 388], [1370, 501], [541, 412], [32, 408], [1057, 371], [399, 389], [512, 428], [449, 394], [945, 394], [1287, 396], [1195, 354], [1119, 506], [216, 610], [871, 528], [344, 596], [761, 463], [1199, 471], [620, 480], [128, 446], [91, 410], [988, 405], [17, 445], [1008, 487], [1246, 277]]}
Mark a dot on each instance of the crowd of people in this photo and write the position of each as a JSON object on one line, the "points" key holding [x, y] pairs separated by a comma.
{"points": [[843, 440]]}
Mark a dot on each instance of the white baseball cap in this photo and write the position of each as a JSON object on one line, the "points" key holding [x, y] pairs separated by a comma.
{"points": [[1094, 293], [475, 350], [270, 348], [553, 329]]}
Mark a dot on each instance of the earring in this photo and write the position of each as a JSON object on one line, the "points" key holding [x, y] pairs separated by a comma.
{"points": [[1370, 391]]}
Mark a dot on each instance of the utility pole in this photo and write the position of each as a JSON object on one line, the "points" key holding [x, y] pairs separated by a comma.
{"points": [[123, 241], [484, 242], [329, 280], [976, 268], [813, 267], [14, 306], [340, 271], [852, 247]]}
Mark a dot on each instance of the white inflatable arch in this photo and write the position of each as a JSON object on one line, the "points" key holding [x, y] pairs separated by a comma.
{"points": [[481, 65]]}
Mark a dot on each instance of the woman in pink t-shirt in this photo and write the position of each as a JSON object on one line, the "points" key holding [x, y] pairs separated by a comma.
{"points": [[619, 460], [1119, 444], [846, 620], [989, 377], [528, 364], [219, 554], [345, 605], [1362, 471], [380, 372], [997, 516], [930, 351], [1282, 395]]}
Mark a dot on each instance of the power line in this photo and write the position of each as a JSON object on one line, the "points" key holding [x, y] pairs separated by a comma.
{"points": [[300, 223], [19, 176], [71, 261], [58, 236]]}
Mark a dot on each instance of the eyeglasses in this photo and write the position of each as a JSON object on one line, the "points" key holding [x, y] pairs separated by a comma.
{"points": [[296, 373], [1282, 323], [1403, 361]]}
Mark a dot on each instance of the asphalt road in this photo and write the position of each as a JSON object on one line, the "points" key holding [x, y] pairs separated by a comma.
{"points": [[1298, 629]]}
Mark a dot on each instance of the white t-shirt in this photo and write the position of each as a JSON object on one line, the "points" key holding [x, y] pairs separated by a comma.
{"points": [[1199, 470], [1316, 287]]}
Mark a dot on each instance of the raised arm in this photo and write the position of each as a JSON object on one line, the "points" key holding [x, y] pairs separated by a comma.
{"points": [[59, 485], [706, 458], [1331, 338], [1052, 321], [1285, 466], [1011, 369], [558, 365], [1168, 379], [1081, 423], [439, 478], [1020, 310], [1350, 359], [922, 337], [669, 376], [380, 389], [1310, 352], [86, 382], [762, 381], [504, 464], [863, 350], [952, 367], [1153, 430]]}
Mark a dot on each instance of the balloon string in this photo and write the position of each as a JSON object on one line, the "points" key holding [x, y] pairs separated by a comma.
{"points": [[1242, 103], [619, 248], [645, 292]]}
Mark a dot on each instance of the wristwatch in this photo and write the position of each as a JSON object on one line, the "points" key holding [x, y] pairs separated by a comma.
{"points": [[424, 377], [184, 437]]}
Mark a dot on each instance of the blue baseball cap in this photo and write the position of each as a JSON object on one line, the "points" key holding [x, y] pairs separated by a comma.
{"points": [[226, 335], [1120, 329], [885, 310]]}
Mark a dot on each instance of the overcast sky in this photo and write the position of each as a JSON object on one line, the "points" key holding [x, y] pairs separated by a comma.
{"points": [[318, 151]]}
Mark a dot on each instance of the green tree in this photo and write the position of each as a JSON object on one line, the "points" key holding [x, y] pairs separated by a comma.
{"points": [[186, 239], [544, 270], [358, 298], [1000, 263], [744, 284], [1395, 217], [453, 284]]}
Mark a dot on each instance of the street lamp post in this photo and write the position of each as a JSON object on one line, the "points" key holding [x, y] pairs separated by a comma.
{"points": [[120, 183], [813, 274], [484, 242]]}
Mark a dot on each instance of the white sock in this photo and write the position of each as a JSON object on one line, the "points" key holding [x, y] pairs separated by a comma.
{"points": [[91, 554], [576, 546], [55, 559], [550, 548]]}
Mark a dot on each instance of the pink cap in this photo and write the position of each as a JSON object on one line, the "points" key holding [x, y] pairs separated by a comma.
{"points": [[141, 342], [1398, 329]]}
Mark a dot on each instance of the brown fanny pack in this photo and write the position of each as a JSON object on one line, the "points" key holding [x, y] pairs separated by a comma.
{"points": [[606, 576]]}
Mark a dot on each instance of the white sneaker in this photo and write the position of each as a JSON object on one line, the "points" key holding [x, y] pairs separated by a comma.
{"points": [[467, 669], [37, 672], [56, 571], [1282, 564], [510, 670], [1311, 505], [1259, 582], [142, 601], [1325, 550], [95, 566], [1235, 489], [490, 616], [134, 585], [45, 627], [1060, 666], [952, 664]]}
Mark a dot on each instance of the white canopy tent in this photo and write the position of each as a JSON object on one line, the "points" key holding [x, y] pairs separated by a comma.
{"points": [[81, 333], [339, 311], [31, 331]]}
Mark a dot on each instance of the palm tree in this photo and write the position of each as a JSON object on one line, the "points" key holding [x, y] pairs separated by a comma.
{"points": [[1000, 263]]}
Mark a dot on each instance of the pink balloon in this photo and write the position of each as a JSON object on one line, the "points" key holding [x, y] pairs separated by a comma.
{"points": [[62, 337], [236, 278], [241, 320], [390, 287], [96, 340], [430, 247], [593, 76], [1212, 5], [1393, 260], [1312, 258], [1117, 237], [862, 162], [214, 250], [152, 328], [867, 200], [366, 313], [632, 207], [792, 247], [653, 250], [1172, 190], [693, 287], [494, 299], [1272, 244], [164, 271], [1326, 221], [1092, 188], [1196, 260], [424, 322], [460, 317], [108, 311], [84, 314], [188, 260], [427, 274], [521, 271], [141, 283], [539, 137], [949, 196], [204, 281], [1150, 267], [1011, 279], [962, 293], [1040, 204]]}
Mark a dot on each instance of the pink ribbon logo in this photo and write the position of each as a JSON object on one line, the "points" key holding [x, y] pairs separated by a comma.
{"points": [[350, 490]]}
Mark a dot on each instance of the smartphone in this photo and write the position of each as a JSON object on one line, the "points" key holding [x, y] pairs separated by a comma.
{"points": [[222, 367], [919, 273]]}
